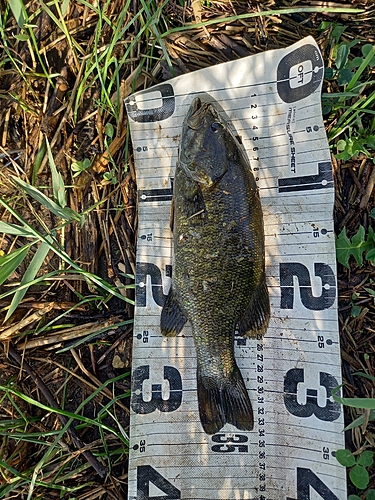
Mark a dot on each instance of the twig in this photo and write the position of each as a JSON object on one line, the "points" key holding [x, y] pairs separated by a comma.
{"points": [[13, 330], [106, 391], [355, 180], [99, 468], [114, 345], [67, 334], [368, 191]]}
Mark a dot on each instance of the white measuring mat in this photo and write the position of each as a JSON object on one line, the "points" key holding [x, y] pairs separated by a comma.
{"points": [[273, 101]]}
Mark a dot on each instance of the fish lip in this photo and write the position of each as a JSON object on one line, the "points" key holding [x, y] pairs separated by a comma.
{"points": [[198, 108], [192, 119]]}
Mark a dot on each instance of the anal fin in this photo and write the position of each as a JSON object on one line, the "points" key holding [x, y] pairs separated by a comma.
{"points": [[256, 317], [173, 317]]}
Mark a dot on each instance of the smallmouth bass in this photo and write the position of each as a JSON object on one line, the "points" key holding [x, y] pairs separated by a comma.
{"points": [[218, 281]]}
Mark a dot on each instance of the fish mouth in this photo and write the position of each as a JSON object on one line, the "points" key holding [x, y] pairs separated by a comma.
{"points": [[193, 118], [196, 112]]}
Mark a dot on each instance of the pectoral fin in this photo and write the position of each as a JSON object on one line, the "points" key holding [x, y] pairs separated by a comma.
{"points": [[256, 317], [173, 317], [194, 206]]}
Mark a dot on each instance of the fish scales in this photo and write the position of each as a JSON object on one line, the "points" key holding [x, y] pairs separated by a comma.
{"points": [[218, 281]]}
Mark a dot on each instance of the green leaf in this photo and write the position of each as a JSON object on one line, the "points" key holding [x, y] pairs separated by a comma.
{"points": [[80, 166], [65, 213], [368, 58], [351, 147], [29, 275], [65, 7], [58, 185], [337, 31], [355, 311], [19, 11], [10, 262], [345, 458], [354, 497], [364, 375], [109, 130], [354, 63], [21, 37], [38, 161], [345, 248], [359, 477], [370, 495], [344, 76], [366, 49], [366, 403], [371, 254], [342, 55], [329, 73], [359, 421], [15, 230], [366, 458]]}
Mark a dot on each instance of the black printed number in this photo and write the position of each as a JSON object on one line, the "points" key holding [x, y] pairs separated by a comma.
{"points": [[306, 479], [146, 475], [140, 406], [315, 303], [230, 444], [328, 413], [143, 270]]}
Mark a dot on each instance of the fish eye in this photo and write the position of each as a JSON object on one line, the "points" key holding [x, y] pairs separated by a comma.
{"points": [[215, 127]]}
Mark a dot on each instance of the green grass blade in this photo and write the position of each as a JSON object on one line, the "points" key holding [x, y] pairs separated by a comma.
{"points": [[38, 161], [36, 281], [15, 230], [70, 415], [353, 111], [153, 17], [265, 13], [65, 213], [10, 262], [365, 375], [62, 26], [34, 266], [93, 335], [19, 11], [363, 403], [58, 185], [360, 421], [360, 70], [26, 479]]}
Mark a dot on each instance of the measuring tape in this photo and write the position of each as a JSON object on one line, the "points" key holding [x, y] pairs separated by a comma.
{"points": [[273, 101]]}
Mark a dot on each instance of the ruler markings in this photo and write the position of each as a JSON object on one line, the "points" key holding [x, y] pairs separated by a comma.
{"points": [[299, 357]]}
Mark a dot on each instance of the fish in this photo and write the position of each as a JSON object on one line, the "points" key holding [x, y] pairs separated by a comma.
{"points": [[218, 279]]}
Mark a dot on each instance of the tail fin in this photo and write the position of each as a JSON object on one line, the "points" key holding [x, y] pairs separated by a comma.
{"points": [[224, 401]]}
